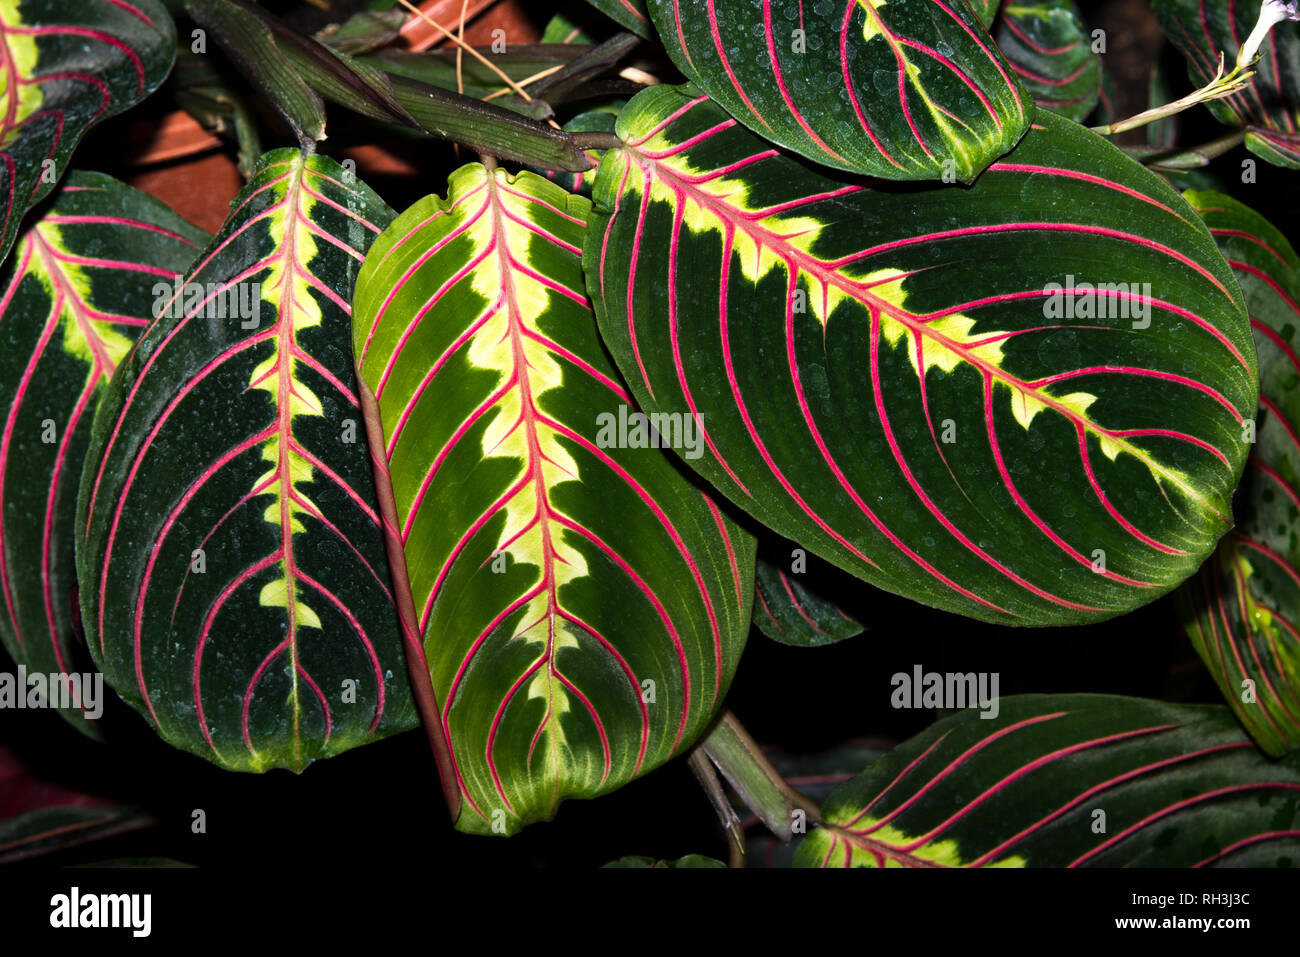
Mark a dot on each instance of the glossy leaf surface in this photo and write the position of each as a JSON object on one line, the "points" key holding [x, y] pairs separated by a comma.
{"points": [[67, 65], [910, 89], [1067, 781], [1051, 51], [888, 377], [582, 605], [1269, 106], [1242, 609], [75, 295], [231, 564]]}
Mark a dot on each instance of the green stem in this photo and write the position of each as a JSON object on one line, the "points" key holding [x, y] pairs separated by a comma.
{"points": [[759, 785], [1194, 157], [1217, 88], [730, 821]]}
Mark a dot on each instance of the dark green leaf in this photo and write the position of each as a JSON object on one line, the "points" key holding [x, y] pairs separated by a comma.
{"points": [[911, 89], [629, 14], [54, 829], [1067, 781], [788, 611], [231, 564], [364, 31], [899, 380], [68, 65], [1051, 51], [249, 42], [473, 78], [1243, 609], [73, 298], [690, 860]]}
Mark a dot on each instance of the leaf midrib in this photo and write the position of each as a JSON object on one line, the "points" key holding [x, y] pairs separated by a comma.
{"points": [[794, 258]]}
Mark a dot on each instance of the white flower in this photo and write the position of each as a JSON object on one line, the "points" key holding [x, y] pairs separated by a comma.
{"points": [[1271, 13]]}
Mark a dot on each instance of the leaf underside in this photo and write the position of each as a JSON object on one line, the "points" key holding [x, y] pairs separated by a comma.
{"points": [[884, 376], [231, 563]]}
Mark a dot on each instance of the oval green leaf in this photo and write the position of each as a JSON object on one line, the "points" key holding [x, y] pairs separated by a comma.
{"points": [[75, 296], [231, 564], [902, 90], [901, 381], [1067, 781], [1242, 610], [582, 605]]}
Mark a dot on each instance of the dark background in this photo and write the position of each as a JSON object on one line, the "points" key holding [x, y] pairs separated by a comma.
{"points": [[381, 803]]}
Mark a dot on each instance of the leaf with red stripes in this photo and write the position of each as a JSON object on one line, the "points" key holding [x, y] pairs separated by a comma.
{"points": [[814, 775], [629, 14], [64, 66], [787, 610], [901, 90], [582, 605], [74, 297], [1242, 610], [1067, 781], [986, 10], [40, 817], [897, 379], [1051, 51], [1269, 105], [230, 558]]}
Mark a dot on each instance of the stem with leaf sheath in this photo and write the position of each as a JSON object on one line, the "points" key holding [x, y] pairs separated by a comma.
{"points": [[759, 785], [708, 778]]}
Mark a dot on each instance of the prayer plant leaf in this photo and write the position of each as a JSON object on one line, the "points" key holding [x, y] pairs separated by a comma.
{"points": [[68, 64], [76, 294], [582, 605], [231, 563], [890, 377], [909, 89], [1067, 781], [1243, 608]]}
